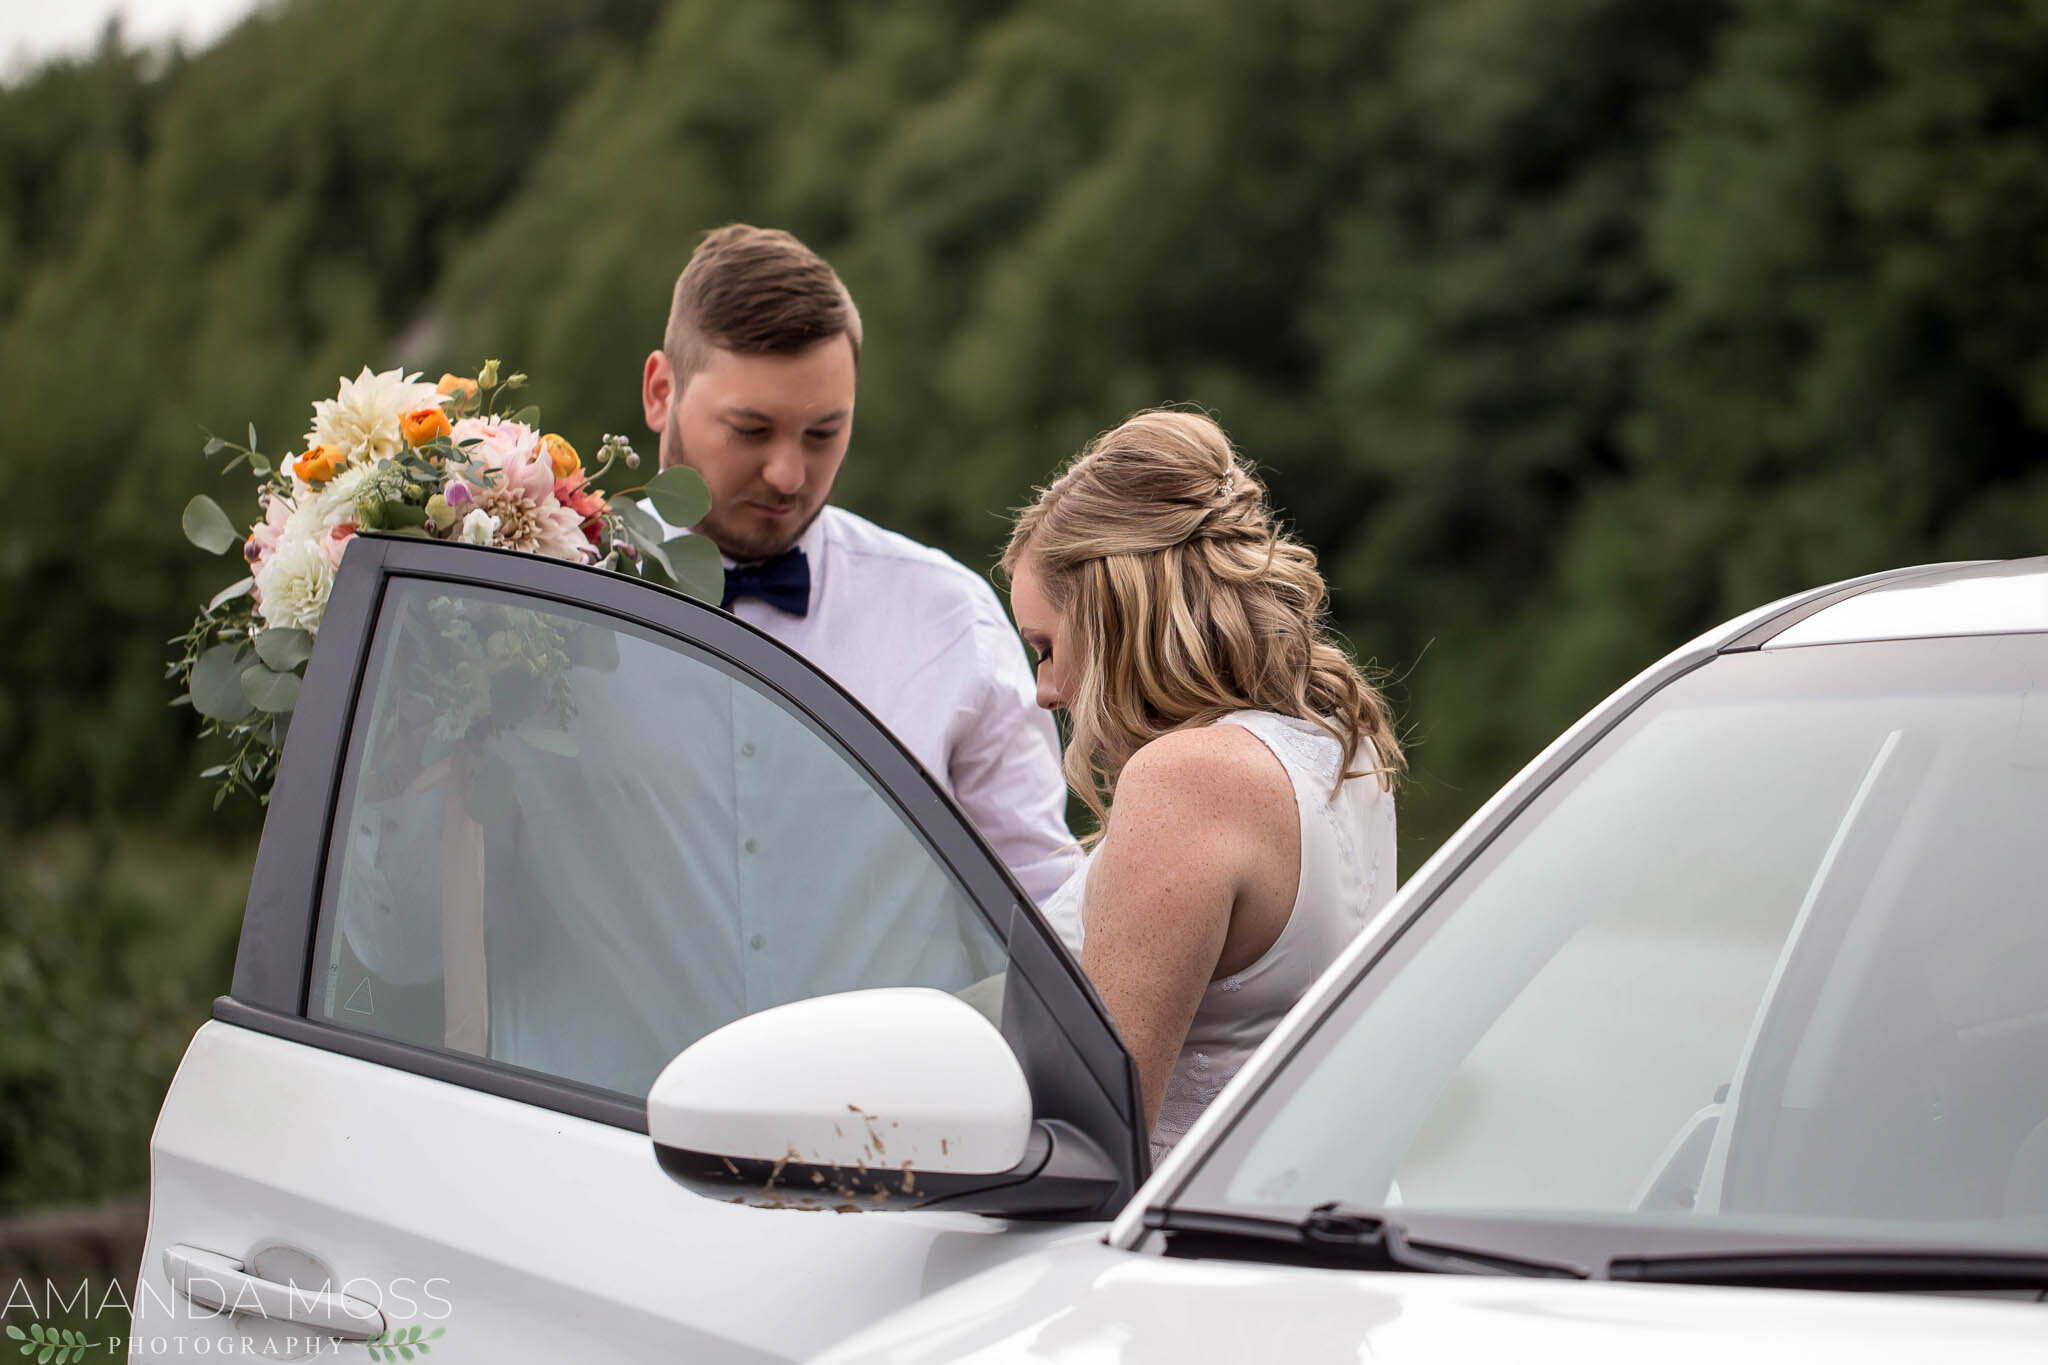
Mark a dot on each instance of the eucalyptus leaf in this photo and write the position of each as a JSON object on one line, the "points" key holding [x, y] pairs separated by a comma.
{"points": [[645, 532], [696, 567], [528, 416], [284, 650], [217, 684], [653, 555], [638, 521], [397, 516], [270, 691], [260, 464], [215, 445], [550, 741], [680, 495], [490, 797], [207, 526], [239, 588], [252, 438]]}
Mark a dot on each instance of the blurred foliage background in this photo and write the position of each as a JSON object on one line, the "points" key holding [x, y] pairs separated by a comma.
{"points": [[1561, 328]]}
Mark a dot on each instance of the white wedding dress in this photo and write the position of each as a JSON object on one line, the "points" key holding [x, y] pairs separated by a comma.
{"points": [[1347, 873]]}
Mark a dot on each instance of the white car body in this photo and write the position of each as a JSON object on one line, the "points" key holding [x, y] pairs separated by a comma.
{"points": [[498, 1214], [1092, 1302]]}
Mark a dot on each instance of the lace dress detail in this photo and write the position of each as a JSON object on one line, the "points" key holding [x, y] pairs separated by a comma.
{"points": [[1347, 850]]}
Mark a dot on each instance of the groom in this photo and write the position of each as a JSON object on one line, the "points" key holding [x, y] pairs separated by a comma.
{"points": [[753, 387]]}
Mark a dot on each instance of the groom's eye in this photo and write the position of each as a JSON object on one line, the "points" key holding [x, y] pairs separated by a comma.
{"points": [[748, 433]]}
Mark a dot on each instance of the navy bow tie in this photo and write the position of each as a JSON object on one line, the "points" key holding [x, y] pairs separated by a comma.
{"points": [[783, 582]]}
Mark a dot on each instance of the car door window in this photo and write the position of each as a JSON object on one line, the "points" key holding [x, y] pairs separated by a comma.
{"points": [[574, 845]]}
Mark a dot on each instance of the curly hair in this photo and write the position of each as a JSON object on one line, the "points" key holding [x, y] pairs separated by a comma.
{"points": [[1186, 602]]}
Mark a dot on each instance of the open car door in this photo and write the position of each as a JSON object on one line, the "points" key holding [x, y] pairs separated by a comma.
{"points": [[538, 828]]}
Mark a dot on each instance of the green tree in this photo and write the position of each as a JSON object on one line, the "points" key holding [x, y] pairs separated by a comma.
{"points": [[1850, 372]]}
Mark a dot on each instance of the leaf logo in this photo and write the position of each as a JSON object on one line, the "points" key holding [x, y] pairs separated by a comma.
{"points": [[52, 1345], [403, 1343]]}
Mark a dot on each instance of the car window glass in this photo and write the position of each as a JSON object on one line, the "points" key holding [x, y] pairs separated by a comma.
{"points": [[575, 846], [1774, 951]]}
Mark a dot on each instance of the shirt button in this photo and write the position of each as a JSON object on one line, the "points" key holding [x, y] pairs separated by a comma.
{"points": [[757, 941], [752, 846], [747, 749]]}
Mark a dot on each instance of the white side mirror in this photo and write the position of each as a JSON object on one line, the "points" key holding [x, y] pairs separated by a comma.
{"points": [[832, 1092]]}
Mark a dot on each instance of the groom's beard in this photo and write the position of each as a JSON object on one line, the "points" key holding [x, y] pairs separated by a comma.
{"points": [[742, 539]]}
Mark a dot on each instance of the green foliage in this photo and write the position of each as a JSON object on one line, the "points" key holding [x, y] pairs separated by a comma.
{"points": [[679, 495], [1561, 328], [207, 526], [181, 251], [111, 951]]}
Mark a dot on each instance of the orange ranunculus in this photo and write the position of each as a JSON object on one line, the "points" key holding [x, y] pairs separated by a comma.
{"points": [[318, 464], [423, 425], [564, 455], [463, 391]]}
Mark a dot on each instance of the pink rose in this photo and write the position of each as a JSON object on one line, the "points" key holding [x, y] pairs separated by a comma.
{"points": [[498, 443], [336, 540], [263, 538]]}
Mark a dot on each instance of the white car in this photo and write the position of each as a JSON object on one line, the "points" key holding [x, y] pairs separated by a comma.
{"points": [[1720, 1034], [1736, 997]]}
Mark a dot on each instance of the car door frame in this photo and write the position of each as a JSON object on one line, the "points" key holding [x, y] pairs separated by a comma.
{"points": [[1077, 1067]]}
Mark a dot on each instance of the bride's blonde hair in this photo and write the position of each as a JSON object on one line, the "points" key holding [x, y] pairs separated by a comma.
{"points": [[1185, 602]]}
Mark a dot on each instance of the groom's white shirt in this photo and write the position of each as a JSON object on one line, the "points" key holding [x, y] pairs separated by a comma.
{"points": [[921, 641]]}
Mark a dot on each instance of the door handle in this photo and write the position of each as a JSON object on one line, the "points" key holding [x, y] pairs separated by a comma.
{"points": [[212, 1280]]}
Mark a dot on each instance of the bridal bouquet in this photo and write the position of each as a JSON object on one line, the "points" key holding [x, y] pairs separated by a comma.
{"points": [[444, 461]]}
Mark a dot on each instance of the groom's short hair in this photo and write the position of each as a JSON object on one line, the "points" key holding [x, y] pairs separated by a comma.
{"points": [[755, 291]]}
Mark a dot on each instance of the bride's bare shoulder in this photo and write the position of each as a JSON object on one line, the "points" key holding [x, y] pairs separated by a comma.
{"points": [[1202, 775]]}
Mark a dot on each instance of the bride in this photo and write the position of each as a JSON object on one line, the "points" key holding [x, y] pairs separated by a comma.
{"points": [[1240, 767]]}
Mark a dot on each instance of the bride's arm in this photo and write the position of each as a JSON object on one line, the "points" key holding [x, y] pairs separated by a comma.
{"points": [[1202, 834]]}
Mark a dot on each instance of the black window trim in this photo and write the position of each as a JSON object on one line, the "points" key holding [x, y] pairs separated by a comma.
{"points": [[274, 966]]}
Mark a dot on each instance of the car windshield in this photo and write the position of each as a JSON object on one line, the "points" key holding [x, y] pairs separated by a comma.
{"points": [[1771, 957]]}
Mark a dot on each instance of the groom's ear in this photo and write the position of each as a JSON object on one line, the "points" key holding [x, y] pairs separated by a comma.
{"points": [[657, 389]]}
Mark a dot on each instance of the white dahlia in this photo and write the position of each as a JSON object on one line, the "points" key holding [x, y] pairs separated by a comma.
{"points": [[361, 421], [335, 501], [293, 584]]}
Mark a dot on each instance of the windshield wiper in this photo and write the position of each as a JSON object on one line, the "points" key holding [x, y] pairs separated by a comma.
{"points": [[1892, 1271], [1337, 1234]]}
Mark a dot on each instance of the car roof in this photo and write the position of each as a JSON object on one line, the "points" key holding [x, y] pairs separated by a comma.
{"points": [[1991, 598]]}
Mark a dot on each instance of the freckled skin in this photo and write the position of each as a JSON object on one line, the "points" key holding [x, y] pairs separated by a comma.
{"points": [[1198, 869]]}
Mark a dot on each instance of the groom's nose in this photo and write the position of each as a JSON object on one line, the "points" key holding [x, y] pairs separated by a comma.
{"points": [[784, 471]]}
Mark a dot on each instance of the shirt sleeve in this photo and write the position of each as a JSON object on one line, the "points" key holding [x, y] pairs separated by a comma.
{"points": [[1004, 758]]}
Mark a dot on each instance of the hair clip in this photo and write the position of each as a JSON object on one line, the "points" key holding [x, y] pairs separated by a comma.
{"points": [[1229, 482]]}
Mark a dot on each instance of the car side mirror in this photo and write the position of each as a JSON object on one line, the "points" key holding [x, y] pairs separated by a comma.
{"points": [[890, 1098]]}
